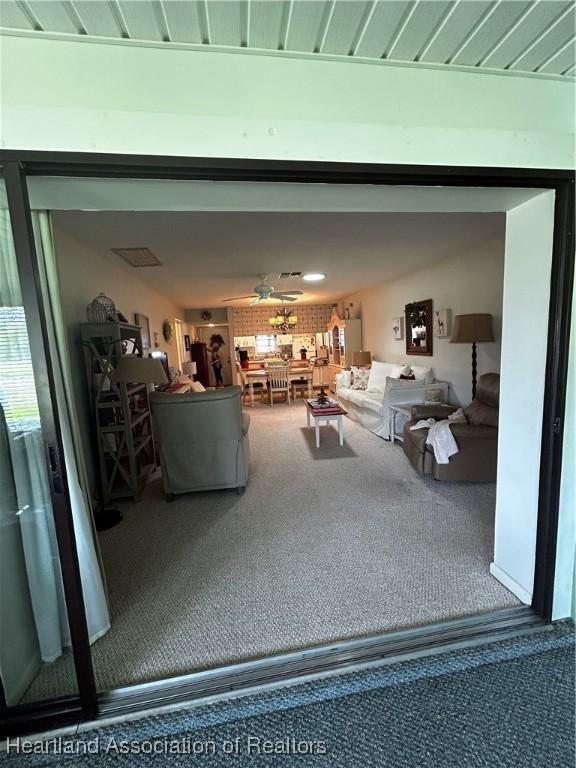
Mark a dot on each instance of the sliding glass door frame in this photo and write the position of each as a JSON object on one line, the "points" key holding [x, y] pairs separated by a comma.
{"points": [[20, 164], [71, 708]]}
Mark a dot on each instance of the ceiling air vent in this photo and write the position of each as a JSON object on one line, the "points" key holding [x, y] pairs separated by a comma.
{"points": [[138, 257], [290, 274]]}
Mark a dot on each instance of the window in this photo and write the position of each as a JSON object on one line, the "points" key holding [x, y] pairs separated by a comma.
{"points": [[265, 344], [17, 387]]}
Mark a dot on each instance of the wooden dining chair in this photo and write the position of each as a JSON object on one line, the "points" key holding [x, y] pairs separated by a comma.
{"points": [[279, 381], [259, 386], [300, 385]]}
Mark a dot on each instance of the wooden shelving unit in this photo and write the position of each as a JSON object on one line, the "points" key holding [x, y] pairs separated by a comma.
{"points": [[344, 338], [121, 412]]}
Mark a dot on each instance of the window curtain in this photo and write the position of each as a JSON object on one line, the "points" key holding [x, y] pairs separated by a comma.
{"points": [[28, 458], [91, 571]]}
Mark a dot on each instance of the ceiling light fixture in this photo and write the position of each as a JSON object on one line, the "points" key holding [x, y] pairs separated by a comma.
{"points": [[313, 277], [284, 320]]}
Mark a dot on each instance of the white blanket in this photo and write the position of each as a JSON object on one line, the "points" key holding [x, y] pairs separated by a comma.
{"points": [[440, 436]]}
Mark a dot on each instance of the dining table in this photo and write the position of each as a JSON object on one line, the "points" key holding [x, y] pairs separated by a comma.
{"points": [[261, 374]]}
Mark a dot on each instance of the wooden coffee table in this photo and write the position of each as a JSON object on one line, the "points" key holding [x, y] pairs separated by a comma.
{"points": [[327, 415]]}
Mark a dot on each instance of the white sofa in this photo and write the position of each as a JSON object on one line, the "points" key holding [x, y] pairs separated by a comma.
{"points": [[370, 407]]}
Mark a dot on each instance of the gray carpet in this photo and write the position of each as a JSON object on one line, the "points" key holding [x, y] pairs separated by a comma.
{"points": [[324, 545], [504, 705]]}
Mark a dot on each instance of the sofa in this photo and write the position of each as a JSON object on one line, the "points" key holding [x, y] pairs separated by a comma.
{"points": [[370, 407], [202, 439], [477, 440]]}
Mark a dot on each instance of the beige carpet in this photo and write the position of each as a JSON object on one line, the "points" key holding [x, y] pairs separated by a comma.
{"points": [[324, 545]]}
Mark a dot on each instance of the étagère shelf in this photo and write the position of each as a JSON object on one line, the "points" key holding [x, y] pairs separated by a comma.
{"points": [[121, 411]]}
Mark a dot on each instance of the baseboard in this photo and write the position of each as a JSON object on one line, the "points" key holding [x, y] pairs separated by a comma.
{"points": [[511, 584]]}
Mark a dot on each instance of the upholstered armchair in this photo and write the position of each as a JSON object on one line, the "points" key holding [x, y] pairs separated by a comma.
{"points": [[477, 440], [202, 439]]}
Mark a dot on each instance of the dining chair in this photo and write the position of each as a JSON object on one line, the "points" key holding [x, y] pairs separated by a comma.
{"points": [[259, 386], [279, 381], [299, 385]]}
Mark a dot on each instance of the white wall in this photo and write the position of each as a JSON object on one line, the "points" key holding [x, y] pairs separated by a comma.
{"points": [[83, 273], [94, 97], [529, 231], [463, 282]]}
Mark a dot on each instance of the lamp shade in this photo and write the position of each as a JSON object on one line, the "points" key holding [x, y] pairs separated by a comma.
{"points": [[190, 369], [361, 358], [132, 369], [472, 328]]}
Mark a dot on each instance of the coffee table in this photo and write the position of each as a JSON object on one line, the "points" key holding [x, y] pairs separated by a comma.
{"points": [[327, 415]]}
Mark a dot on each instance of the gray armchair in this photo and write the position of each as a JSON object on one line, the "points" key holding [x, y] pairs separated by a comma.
{"points": [[202, 439]]}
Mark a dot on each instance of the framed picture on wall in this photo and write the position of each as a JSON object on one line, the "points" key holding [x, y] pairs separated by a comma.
{"points": [[144, 323], [397, 328], [442, 323], [187, 342], [419, 320]]}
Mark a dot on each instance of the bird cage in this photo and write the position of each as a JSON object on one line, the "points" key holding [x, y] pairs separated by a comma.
{"points": [[101, 309]]}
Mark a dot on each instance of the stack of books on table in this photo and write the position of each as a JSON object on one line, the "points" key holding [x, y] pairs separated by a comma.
{"points": [[330, 406]]}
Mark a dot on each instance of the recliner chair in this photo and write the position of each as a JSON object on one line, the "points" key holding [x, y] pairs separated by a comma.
{"points": [[476, 460], [203, 440]]}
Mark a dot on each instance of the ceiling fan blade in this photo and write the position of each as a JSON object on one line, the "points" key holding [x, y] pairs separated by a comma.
{"points": [[290, 293], [237, 298], [282, 297], [257, 300]]}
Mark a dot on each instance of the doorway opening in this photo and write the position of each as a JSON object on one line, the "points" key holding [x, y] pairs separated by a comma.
{"points": [[272, 452]]}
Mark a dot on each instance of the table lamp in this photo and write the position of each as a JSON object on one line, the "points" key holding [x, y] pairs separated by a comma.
{"points": [[190, 369], [361, 359], [471, 329], [132, 369]]}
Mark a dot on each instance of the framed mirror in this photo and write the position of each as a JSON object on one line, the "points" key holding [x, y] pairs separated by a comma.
{"points": [[419, 327]]}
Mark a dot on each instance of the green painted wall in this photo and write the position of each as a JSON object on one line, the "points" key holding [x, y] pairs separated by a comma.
{"points": [[113, 98]]}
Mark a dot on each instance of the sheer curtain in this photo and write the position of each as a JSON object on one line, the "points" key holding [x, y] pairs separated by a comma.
{"points": [[23, 436], [28, 461], [93, 585]]}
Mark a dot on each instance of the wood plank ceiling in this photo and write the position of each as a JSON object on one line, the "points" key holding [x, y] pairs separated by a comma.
{"points": [[514, 36]]}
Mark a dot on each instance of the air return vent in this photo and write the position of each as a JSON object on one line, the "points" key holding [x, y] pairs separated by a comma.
{"points": [[138, 257], [290, 274]]}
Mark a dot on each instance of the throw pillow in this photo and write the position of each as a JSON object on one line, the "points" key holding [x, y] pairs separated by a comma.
{"points": [[423, 373], [197, 386], [411, 377], [377, 378], [345, 380], [360, 378], [432, 396], [396, 371]]}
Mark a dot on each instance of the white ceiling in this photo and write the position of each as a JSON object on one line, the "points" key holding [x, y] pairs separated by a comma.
{"points": [[514, 36], [211, 256]]}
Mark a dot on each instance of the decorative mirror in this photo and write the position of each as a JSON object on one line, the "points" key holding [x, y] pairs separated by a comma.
{"points": [[419, 328]]}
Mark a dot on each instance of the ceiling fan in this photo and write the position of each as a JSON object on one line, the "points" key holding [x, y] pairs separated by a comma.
{"points": [[264, 291]]}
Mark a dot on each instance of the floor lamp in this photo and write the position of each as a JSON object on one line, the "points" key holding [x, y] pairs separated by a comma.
{"points": [[472, 329]]}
